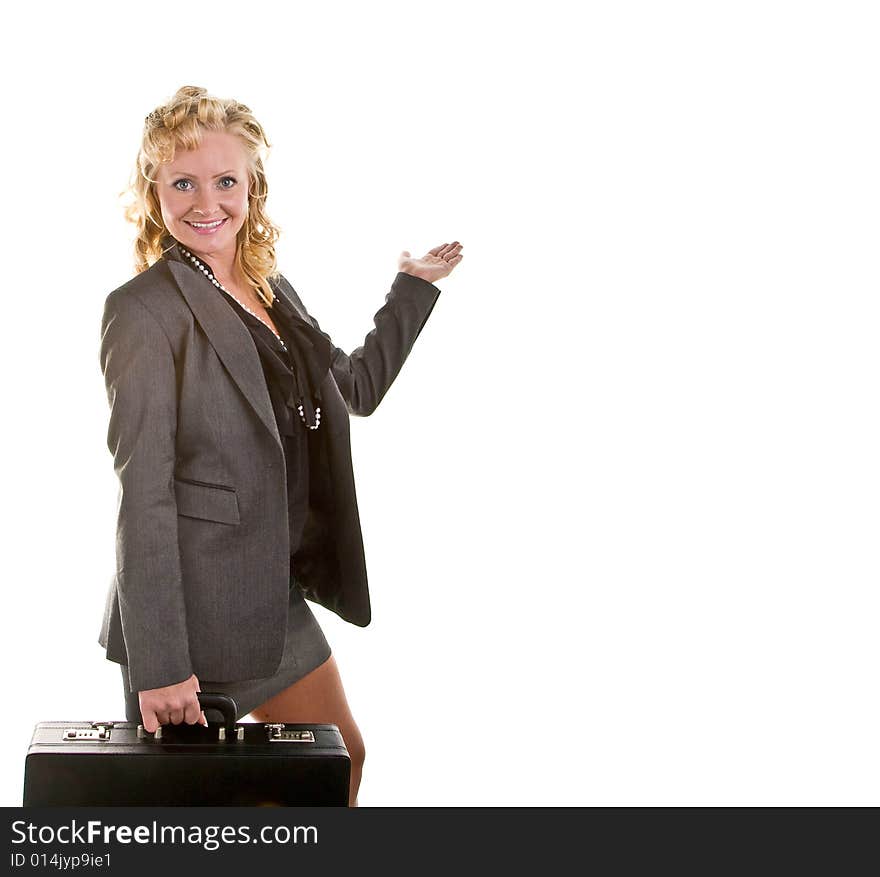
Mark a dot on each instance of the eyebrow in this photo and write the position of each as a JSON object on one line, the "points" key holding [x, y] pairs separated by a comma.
{"points": [[221, 174]]}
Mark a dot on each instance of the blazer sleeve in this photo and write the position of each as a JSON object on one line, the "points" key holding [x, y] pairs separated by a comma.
{"points": [[139, 373], [365, 375]]}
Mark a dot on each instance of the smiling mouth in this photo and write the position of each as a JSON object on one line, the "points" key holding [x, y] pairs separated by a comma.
{"points": [[215, 224]]}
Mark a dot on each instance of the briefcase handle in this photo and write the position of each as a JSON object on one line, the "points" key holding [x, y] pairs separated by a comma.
{"points": [[228, 730], [223, 703]]}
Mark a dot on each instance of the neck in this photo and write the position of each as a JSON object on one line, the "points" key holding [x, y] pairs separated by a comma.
{"points": [[235, 288], [222, 265]]}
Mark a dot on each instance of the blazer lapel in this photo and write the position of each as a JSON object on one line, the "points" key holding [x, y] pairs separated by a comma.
{"points": [[228, 336]]}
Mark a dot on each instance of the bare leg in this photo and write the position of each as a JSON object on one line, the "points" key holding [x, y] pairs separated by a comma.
{"points": [[319, 697]]}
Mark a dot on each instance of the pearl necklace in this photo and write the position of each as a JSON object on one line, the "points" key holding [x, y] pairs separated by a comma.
{"points": [[207, 272]]}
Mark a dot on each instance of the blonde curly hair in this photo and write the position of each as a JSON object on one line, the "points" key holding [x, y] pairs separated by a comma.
{"points": [[179, 124]]}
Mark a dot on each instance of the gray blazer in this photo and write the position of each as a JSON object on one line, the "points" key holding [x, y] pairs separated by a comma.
{"points": [[202, 543]]}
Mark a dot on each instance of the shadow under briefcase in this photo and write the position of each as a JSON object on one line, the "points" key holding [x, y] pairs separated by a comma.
{"points": [[72, 764]]}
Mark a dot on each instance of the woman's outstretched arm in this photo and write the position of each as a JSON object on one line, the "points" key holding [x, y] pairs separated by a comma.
{"points": [[365, 375]]}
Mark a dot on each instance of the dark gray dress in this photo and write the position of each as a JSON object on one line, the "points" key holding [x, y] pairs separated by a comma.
{"points": [[305, 648]]}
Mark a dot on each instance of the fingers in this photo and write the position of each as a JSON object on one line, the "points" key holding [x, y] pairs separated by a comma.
{"points": [[202, 719], [193, 713], [446, 249], [151, 721], [453, 256], [170, 706]]}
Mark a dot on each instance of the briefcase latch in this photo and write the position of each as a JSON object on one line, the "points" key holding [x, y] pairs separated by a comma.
{"points": [[278, 733], [96, 732]]}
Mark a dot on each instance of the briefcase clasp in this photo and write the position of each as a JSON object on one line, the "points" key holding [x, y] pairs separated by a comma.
{"points": [[97, 732], [278, 733]]}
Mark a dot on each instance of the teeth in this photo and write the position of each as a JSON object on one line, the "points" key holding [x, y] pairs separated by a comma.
{"points": [[206, 224]]}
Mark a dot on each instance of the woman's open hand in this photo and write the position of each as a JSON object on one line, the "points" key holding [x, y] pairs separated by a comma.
{"points": [[437, 263], [172, 705]]}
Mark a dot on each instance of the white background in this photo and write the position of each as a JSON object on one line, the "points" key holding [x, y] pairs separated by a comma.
{"points": [[621, 506]]}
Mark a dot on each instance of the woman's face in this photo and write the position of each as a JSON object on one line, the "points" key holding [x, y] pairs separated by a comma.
{"points": [[204, 186]]}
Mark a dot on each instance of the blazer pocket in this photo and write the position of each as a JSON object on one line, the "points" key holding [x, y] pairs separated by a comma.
{"points": [[211, 502]]}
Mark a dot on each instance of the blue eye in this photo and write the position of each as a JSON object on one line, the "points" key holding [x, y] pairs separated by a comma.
{"points": [[223, 180]]}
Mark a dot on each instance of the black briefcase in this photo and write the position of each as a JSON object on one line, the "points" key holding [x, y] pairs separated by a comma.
{"points": [[71, 764]]}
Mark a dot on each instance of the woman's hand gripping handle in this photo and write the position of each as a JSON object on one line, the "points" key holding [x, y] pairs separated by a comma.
{"points": [[172, 705]]}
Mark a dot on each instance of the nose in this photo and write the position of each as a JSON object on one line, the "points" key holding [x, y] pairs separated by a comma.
{"points": [[205, 205]]}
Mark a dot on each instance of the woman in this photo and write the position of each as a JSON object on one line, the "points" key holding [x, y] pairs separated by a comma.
{"points": [[230, 437]]}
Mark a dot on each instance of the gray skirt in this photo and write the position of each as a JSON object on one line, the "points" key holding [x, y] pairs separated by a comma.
{"points": [[305, 649]]}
